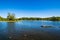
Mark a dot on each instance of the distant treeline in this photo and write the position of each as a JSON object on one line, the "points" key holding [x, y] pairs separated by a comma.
{"points": [[49, 19], [11, 17]]}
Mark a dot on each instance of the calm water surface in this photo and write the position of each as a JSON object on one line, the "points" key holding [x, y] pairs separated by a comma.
{"points": [[29, 30]]}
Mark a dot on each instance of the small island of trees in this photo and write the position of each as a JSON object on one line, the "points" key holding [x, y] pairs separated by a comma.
{"points": [[11, 18]]}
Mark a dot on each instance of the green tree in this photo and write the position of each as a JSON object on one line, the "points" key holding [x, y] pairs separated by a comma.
{"points": [[54, 18], [11, 16], [1, 18]]}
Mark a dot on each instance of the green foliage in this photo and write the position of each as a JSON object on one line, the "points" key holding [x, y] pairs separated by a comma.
{"points": [[11, 16], [49, 19], [0, 18], [55, 18]]}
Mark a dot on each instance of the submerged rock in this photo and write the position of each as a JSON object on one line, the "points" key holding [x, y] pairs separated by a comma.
{"points": [[43, 26]]}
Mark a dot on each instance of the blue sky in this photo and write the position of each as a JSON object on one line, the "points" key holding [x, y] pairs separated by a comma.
{"points": [[30, 8]]}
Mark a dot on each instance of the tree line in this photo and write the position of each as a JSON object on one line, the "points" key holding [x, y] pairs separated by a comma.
{"points": [[48, 19], [11, 17]]}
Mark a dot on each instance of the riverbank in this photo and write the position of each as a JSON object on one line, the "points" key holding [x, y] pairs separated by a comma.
{"points": [[10, 21]]}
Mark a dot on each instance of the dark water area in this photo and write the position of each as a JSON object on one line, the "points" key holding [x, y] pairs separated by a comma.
{"points": [[29, 30]]}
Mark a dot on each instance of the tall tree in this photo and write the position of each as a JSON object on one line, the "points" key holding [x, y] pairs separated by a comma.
{"points": [[11, 16]]}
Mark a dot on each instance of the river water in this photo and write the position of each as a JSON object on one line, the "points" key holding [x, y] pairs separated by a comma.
{"points": [[30, 30]]}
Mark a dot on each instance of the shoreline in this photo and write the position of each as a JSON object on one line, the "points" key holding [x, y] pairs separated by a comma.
{"points": [[10, 21], [22, 20]]}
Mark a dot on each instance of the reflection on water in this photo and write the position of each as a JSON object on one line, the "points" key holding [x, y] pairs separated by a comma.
{"points": [[29, 30], [11, 30]]}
